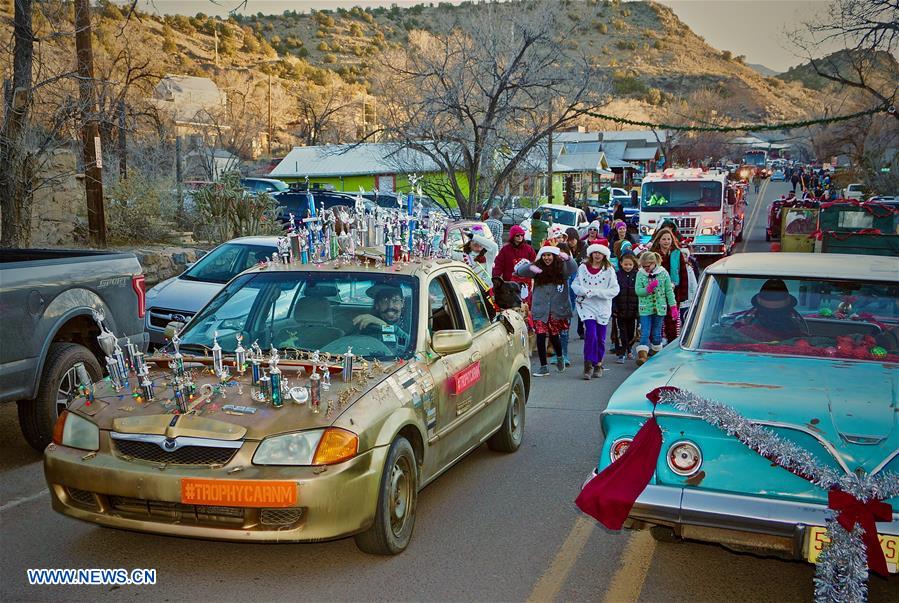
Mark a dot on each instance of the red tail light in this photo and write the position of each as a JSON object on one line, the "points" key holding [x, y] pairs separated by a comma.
{"points": [[137, 283]]}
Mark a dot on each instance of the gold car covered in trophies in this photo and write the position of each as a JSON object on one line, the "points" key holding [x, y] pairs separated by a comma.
{"points": [[303, 403]]}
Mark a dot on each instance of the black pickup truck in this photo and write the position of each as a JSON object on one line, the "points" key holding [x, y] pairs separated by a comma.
{"points": [[46, 302]]}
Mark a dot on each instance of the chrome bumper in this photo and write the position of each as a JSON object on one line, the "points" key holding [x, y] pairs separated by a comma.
{"points": [[736, 521]]}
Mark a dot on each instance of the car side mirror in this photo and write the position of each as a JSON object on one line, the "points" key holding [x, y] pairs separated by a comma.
{"points": [[451, 341], [172, 328]]}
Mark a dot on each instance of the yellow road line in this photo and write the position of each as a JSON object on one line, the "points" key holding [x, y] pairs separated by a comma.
{"points": [[553, 579], [748, 224], [627, 584]]}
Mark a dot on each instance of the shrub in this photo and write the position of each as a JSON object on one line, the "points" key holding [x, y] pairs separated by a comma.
{"points": [[626, 45], [323, 46], [726, 55], [628, 85], [169, 46], [135, 210], [225, 210], [329, 58], [658, 45], [654, 96], [250, 43], [602, 28]]}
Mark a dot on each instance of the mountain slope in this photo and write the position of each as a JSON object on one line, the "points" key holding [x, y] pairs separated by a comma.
{"points": [[766, 71]]}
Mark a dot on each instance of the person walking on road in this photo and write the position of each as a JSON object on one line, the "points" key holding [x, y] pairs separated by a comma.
{"points": [[595, 286], [656, 301], [539, 228], [551, 309], [794, 179], [625, 308], [674, 260], [495, 224]]}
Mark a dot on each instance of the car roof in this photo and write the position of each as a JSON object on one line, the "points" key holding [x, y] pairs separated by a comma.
{"points": [[263, 179], [557, 206], [829, 265], [413, 268], [257, 240]]}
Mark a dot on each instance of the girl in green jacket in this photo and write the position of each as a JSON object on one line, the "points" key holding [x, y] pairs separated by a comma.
{"points": [[655, 294]]}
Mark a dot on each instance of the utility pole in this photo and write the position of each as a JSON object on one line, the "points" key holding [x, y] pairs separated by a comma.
{"points": [[549, 167], [90, 132], [269, 115], [216, 32], [123, 148], [178, 177]]}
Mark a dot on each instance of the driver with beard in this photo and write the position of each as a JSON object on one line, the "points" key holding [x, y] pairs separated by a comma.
{"points": [[383, 322], [772, 317]]}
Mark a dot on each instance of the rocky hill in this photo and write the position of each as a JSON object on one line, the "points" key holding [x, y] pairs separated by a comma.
{"points": [[651, 56]]}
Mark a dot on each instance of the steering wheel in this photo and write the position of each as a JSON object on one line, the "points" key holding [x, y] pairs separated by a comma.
{"points": [[363, 345]]}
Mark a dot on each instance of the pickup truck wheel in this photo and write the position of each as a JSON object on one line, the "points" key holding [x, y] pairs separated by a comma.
{"points": [[58, 381], [397, 499], [509, 436]]}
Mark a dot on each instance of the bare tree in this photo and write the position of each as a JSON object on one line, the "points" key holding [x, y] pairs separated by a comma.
{"points": [[326, 108], [483, 88], [868, 31]]}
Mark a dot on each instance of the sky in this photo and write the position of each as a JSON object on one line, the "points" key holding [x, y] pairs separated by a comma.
{"points": [[754, 28]]}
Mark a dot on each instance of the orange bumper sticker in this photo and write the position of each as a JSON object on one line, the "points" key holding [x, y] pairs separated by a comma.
{"points": [[238, 493]]}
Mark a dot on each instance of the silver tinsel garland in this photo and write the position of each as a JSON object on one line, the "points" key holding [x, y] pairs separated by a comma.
{"points": [[841, 575]]}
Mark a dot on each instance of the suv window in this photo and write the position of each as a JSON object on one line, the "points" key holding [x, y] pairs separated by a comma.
{"points": [[473, 299]]}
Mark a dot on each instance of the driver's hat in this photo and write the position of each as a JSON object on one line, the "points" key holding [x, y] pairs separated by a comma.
{"points": [[381, 290], [774, 295]]}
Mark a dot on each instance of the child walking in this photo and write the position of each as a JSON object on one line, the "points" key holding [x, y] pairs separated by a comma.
{"points": [[550, 305], [656, 300], [625, 308], [594, 287]]}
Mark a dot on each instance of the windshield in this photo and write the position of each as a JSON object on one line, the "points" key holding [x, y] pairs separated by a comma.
{"points": [[330, 312], [681, 196], [561, 216], [227, 261], [808, 317], [754, 159]]}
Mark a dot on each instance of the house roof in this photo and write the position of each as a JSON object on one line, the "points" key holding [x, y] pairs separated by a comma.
{"points": [[351, 160], [186, 97], [614, 150], [643, 136], [640, 153], [582, 162]]}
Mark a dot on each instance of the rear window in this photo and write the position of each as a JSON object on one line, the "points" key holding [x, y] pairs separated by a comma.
{"points": [[853, 320]]}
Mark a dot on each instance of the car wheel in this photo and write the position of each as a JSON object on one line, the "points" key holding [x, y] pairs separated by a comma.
{"points": [[58, 383], [397, 500], [509, 436]]}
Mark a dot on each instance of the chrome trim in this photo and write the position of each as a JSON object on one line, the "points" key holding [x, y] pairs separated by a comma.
{"points": [[885, 462], [175, 443], [661, 413], [615, 443], [689, 506], [681, 472]]}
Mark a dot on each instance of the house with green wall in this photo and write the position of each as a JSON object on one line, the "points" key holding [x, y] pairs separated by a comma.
{"points": [[382, 167]]}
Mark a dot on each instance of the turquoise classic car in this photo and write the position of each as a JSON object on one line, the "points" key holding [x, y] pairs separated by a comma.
{"points": [[807, 346]]}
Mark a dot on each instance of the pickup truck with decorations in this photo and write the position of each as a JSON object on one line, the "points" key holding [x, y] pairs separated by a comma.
{"points": [[808, 349], [302, 403], [47, 300]]}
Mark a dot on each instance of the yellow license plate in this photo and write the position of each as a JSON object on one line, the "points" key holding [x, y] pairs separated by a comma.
{"points": [[816, 537], [238, 493]]}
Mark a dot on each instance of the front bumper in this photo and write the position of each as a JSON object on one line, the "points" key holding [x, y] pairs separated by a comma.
{"points": [[745, 523], [333, 501]]}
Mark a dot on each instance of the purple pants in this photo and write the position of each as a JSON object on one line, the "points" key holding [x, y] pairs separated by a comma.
{"points": [[594, 341]]}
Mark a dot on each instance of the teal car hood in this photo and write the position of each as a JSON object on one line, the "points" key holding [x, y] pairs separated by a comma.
{"points": [[850, 405]]}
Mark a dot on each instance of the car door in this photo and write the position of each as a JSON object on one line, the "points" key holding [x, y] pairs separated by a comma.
{"points": [[480, 385]]}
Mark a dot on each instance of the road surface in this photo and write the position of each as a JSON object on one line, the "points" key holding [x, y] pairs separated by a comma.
{"points": [[494, 528]]}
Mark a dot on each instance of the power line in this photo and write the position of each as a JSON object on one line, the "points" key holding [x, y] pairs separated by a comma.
{"points": [[745, 127]]}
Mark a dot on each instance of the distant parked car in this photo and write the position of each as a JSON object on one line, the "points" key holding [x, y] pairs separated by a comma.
{"points": [[179, 298], [778, 175], [561, 214], [854, 191], [264, 185]]}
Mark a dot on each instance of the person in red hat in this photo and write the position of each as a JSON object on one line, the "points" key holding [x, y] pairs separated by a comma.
{"points": [[510, 256]]}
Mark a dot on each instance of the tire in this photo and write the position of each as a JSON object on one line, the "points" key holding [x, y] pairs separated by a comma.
{"points": [[37, 417], [399, 480], [509, 436]]}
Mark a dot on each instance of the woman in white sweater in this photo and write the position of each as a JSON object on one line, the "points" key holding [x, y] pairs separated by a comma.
{"points": [[594, 287]]}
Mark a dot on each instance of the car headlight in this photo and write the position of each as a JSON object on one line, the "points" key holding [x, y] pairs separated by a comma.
{"points": [[76, 432], [313, 447]]}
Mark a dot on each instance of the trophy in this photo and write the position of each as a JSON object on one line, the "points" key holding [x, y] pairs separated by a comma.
{"points": [[275, 379]]}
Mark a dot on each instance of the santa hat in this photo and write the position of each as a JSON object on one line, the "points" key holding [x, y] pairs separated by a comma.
{"points": [[515, 231], [557, 231], [548, 249], [596, 247], [595, 225]]}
